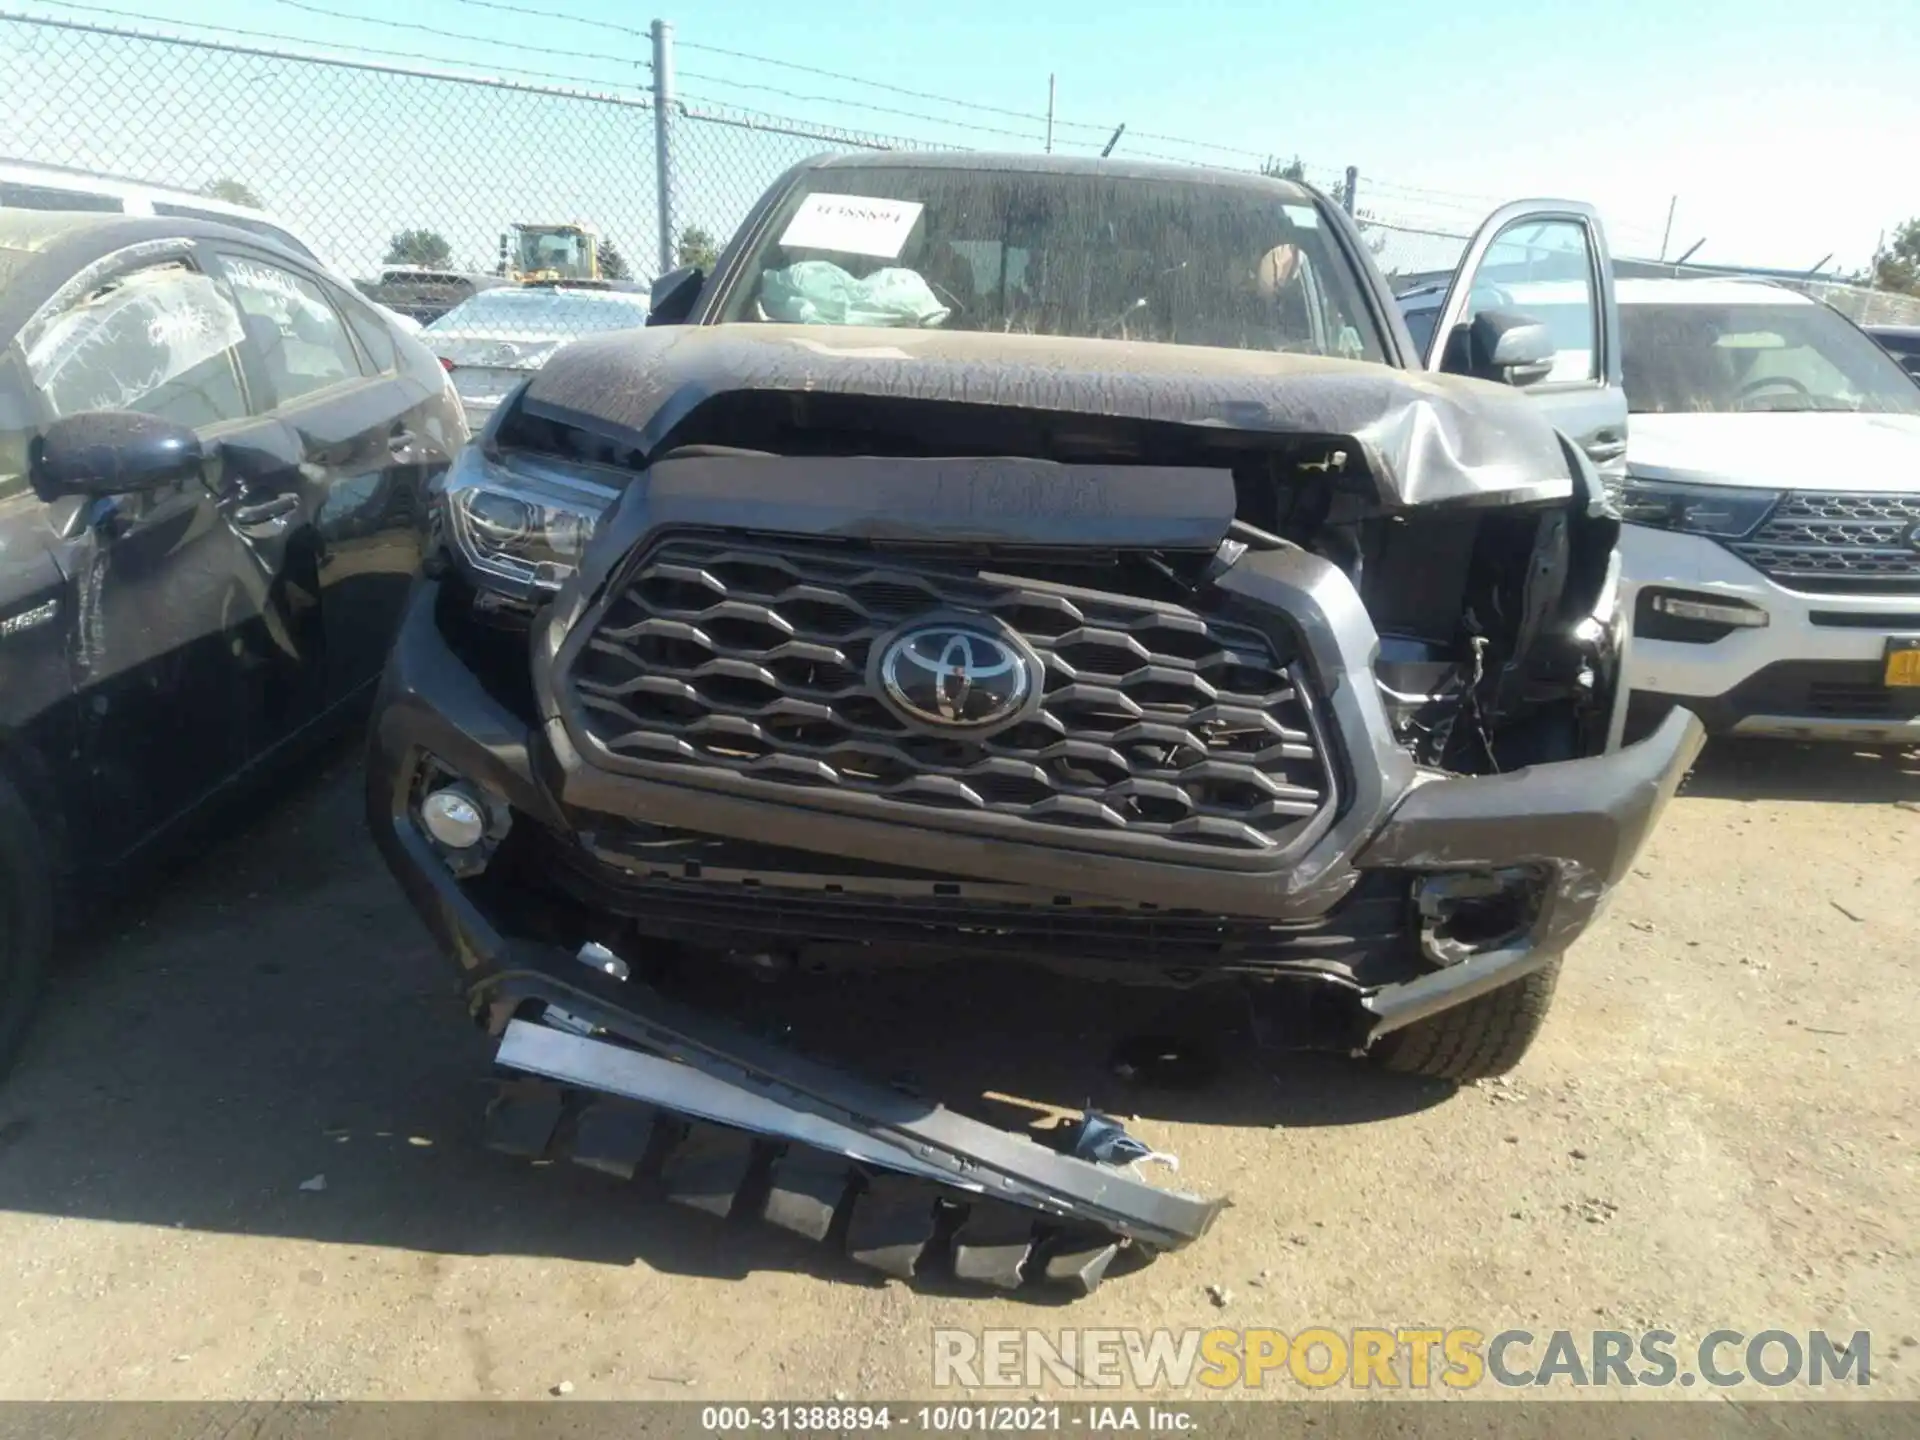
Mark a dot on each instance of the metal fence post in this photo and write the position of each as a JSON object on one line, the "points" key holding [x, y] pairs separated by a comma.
{"points": [[663, 103], [1353, 184]]}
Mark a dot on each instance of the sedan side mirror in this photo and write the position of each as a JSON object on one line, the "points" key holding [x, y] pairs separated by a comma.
{"points": [[670, 300], [1510, 348], [112, 452]]}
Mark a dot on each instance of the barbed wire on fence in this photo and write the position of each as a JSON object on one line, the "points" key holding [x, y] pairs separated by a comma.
{"points": [[443, 66], [1413, 204], [352, 148], [347, 153]]}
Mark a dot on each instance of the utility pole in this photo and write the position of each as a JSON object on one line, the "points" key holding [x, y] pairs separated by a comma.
{"points": [[1050, 114], [663, 103], [1353, 184], [1667, 234]]}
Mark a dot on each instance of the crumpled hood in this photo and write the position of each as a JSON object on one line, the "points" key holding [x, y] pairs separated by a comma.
{"points": [[1426, 438], [1833, 450]]}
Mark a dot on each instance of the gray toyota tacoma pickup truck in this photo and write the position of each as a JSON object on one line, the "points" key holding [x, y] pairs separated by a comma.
{"points": [[1055, 559]]}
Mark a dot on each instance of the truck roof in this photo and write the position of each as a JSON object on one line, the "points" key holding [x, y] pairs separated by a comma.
{"points": [[1012, 162]]}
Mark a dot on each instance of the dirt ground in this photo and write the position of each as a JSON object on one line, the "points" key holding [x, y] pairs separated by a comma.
{"points": [[1717, 1129]]}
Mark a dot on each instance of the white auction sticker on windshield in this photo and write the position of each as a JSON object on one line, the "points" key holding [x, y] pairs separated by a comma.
{"points": [[852, 225]]}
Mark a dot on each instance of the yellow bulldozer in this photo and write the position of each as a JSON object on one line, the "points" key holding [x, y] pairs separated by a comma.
{"points": [[546, 254]]}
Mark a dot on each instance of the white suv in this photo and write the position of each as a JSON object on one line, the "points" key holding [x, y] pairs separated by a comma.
{"points": [[1771, 559]]}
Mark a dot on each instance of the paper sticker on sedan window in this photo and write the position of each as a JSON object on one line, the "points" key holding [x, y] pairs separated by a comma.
{"points": [[852, 225], [123, 343]]}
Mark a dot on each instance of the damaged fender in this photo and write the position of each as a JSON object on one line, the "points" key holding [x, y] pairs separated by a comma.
{"points": [[1581, 820]]}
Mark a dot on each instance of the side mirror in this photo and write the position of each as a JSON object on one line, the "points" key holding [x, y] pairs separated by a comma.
{"points": [[671, 298], [1510, 348], [112, 452]]}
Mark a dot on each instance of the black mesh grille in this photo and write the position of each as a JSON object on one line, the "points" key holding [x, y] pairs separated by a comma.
{"points": [[737, 655], [1839, 543]]}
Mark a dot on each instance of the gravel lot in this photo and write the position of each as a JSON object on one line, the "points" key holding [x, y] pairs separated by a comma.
{"points": [[1718, 1128]]}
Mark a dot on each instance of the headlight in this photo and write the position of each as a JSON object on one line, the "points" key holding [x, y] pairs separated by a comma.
{"points": [[521, 529], [1725, 512]]}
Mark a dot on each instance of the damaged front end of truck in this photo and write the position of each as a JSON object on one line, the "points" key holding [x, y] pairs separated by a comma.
{"points": [[1163, 665]]}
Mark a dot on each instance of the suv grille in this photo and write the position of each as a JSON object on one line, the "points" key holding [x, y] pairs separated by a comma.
{"points": [[1154, 720], [1839, 543]]}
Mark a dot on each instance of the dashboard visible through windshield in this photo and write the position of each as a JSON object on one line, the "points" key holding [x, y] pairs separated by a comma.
{"points": [[1176, 261], [1723, 359]]}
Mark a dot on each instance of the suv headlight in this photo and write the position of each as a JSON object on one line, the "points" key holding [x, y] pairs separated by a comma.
{"points": [[1723, 511], [520, 528]]}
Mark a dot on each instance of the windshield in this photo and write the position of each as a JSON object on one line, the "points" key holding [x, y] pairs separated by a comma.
{"points": [[1724, 359], [561, 250], [522, 312], [1185, 262]]}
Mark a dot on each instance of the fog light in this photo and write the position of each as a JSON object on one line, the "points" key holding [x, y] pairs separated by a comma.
{"points": [[1464, 913], [1737, 612], [454, 818]]}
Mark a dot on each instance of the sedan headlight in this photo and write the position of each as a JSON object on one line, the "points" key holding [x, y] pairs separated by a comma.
{"points": [[1722, 511], [521, 529]]}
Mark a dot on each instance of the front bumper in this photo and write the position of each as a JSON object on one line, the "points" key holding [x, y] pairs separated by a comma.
{"points": [[1577, 824], [1813, 672]]}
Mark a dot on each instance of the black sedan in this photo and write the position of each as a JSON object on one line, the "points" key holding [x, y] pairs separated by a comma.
{"points": [[213, 463]]}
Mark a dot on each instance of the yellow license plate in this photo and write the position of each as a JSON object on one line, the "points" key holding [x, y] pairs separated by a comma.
{"points": [[1903, 662]]}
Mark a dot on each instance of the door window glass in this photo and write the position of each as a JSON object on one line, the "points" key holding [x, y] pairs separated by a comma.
{"points": [[159, 341], [297, 336], [374, 336], [1420, 325], [1544, 268]]}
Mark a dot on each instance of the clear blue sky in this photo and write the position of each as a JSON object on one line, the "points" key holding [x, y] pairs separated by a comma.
{"points": [[1786, 130]]}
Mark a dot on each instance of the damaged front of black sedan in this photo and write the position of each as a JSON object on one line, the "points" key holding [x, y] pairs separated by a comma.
{"points": [[1141, 658]]}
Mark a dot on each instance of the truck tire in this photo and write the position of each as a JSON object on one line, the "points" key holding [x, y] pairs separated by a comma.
{"points": [[26, 921], [1484, 1037]]}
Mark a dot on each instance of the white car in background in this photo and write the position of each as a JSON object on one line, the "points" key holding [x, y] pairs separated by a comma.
{"points": [[25, 185], [1771, 556], [1770, 563], [492, 342]]}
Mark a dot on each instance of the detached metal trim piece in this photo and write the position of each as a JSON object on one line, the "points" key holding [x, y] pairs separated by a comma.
{"points": [[793, 1096], [596, 1065]]}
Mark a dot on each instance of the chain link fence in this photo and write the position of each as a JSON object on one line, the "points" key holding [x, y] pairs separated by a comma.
{"points": [[375, 164], [1861, 305], [366, 163], [724, 160], [1409, 256]]}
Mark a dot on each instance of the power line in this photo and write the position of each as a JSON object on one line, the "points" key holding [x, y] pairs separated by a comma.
{"points": [[910, 93], [572, 80], [856, 104], [1423, 196], [564, 18], [711, 109], [330, 14]]}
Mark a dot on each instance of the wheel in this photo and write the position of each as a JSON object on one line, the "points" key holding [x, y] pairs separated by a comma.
{"points": [[26, 920], [1486, 1036]]}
